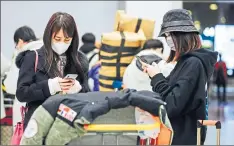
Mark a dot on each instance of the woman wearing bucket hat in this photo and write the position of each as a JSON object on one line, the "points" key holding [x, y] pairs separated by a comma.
{"points": [[184, 90]]}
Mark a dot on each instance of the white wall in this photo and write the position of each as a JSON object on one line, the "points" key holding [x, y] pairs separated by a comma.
{"points": [[90, 16], [153, 10]]}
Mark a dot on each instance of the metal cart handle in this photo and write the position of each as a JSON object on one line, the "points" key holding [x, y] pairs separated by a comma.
{"points": [[120, 127], [201, 123], [209, 123]]}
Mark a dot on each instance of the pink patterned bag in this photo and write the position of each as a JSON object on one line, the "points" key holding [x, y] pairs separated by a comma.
{"points": [[19, 129]]}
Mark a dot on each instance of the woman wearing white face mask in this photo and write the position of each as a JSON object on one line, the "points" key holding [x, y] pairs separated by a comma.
{"points": [[57, 58]]}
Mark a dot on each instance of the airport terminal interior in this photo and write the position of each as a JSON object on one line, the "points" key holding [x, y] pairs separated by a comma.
{"points": [[213, 20]]}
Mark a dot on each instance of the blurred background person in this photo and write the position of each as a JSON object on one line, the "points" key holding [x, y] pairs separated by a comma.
{"points": [[89, 48], [134, 77], [94, 77], [94, 70], [6, 109], [220, 78], [24, 39]]}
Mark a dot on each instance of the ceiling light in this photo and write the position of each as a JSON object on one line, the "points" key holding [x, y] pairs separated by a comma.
{"points": [[230, 72], [213, 7], [197, 22], [209, 32], [223, 20], [197, 25], [190, 12]]}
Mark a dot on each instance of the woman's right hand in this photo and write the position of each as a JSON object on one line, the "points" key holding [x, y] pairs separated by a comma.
{"points": [[152, 70]]}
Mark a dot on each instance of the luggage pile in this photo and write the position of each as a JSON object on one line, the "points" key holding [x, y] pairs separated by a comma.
{"points": [[98, 118], [120, 46]]}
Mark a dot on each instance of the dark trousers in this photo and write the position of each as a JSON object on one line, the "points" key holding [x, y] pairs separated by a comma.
{"points": [[223, 98]]}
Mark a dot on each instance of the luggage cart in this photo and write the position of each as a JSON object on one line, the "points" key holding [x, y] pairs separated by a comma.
{"points": [[118, 129]]}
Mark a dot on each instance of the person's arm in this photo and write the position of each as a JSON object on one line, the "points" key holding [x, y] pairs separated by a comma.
{"points": [[27, 89], [225, 69], [177, 96]]}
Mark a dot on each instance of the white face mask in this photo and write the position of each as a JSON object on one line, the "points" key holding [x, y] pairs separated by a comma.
{"points": [[60, 47], [170, 43]]}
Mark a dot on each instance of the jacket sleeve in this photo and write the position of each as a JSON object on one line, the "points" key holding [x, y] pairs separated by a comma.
{"points": [[27, 89], [177, 95]]}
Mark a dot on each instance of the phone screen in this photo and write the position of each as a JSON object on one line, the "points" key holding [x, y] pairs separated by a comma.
{"points": [[71, 76]]}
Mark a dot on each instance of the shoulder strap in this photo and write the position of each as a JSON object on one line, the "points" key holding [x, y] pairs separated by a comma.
{"points": [[36, 61], [92, 57]]}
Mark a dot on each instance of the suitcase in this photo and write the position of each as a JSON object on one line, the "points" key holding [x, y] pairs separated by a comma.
{"points": [[215, 123], [118, 19], [117, 51], [128, 23]]}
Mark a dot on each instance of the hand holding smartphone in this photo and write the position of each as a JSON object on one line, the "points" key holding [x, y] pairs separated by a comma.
{"points": [[67, 82], [147, 68], [144, 63]]}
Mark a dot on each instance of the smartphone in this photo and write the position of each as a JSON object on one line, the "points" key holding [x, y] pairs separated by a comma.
{"points": [[71, 76]]}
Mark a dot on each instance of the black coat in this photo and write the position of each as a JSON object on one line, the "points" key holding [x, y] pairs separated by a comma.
{"points": [[32, 87], [185, 94]]}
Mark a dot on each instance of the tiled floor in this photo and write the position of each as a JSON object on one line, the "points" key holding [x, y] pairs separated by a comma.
{"points": [[226, 116]]}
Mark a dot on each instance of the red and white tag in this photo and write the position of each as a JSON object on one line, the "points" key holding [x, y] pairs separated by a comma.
{"points": [[66, 112]]}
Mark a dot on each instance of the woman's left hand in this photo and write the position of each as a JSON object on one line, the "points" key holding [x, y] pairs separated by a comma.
{"points": [[152, 70], [76, 88]]}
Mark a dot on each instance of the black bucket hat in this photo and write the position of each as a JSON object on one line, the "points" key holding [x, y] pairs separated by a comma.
{"points": [[177, 20]]}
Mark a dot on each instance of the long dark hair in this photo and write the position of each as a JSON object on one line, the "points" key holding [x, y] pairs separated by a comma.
{"points": [[185, 42], [67, 23]]}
